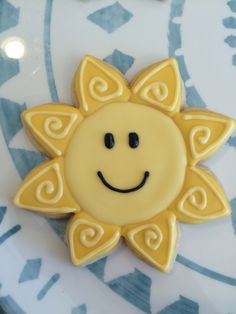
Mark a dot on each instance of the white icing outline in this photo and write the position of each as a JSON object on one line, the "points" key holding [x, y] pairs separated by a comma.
{"points": [[72, 116], [158, 68], [173, 232], [117, 93], [229, 127], [78, 261], [221, 212], [24, 186]]}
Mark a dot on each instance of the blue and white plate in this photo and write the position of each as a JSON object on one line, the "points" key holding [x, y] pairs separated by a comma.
{"points": [[41, 44]]}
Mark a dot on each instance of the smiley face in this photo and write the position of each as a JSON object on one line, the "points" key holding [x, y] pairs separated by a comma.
{"points": [[125, 163], [133, 143]]}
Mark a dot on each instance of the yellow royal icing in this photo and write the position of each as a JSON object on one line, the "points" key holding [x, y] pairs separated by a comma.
{"points": [[44, 190], [89, 239], [127, 165], [96, 84], [204, 132], [155, 241], [160, 86], [161, 152], [201, 199], [51, 126]]}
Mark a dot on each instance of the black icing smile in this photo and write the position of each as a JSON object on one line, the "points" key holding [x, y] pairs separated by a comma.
{"points": [[136, 188]]}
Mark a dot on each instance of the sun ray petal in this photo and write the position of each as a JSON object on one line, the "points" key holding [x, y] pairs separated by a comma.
{"points": [[204, 132], [44, 190], [159, 86], [154, 240], [97, 84], [202, 199], [89, 239], [52, 126]]}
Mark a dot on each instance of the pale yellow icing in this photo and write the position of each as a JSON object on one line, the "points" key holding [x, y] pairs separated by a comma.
{"points": [[161, 152]]}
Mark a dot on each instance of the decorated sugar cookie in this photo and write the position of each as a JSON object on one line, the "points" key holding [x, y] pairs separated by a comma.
{"points": [[124, 163]]}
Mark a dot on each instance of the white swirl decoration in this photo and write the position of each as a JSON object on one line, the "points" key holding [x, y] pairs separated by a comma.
{"points": [[98, 86], [54, 124], [199, 203], [153, 238], [199, 134], [158, 89], [48, 188], [151, 234], [90, 236]]}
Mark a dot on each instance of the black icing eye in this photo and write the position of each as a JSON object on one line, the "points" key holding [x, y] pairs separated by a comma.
{"points": [[109, 140], [133, 140]]}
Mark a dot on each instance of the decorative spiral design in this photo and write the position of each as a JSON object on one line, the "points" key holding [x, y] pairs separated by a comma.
{"points": [[48, 187], [98, 86], [90, 236], [199, 134], [205, 134], [158, 89], [191, 196], [52, 125], [153, 238], [151, 234], [203, 198]]}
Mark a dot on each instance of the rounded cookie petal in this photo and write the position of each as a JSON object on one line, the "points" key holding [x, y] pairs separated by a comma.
{"points": [[52, 126], [154, 240], [204, 132], [44, 190], [202, 198], [89, 239]]}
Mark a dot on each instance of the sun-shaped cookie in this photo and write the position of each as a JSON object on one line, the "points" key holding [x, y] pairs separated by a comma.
{"points": [[124, 163]]}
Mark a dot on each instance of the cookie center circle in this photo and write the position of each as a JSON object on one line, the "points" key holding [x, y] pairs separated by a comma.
{"points": [[125, 163]]}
